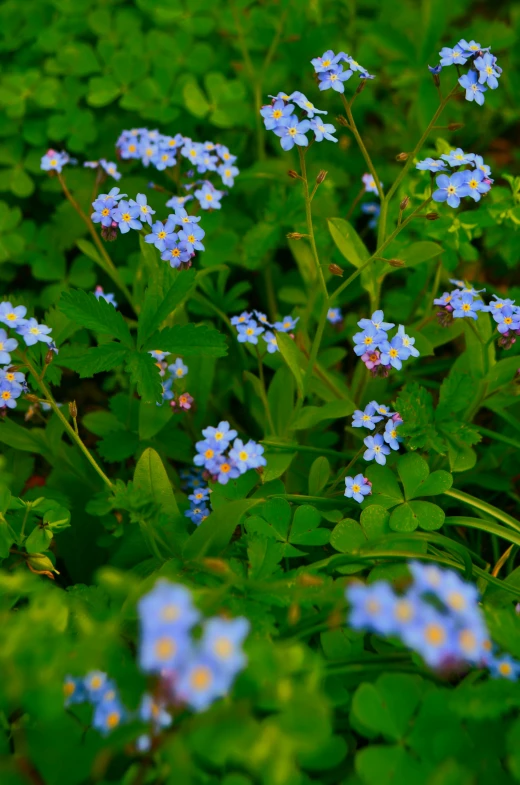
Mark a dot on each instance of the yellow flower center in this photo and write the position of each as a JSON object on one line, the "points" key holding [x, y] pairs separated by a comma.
{"points": [[175, 252], [191, 238], [467, 640], [209, 454], [356, 488], [113, 719], [325, 62], [277, 114], [250, 331], [164, 157], [225, 468], [179, 372], [473, 184], [6, 395], [69, 689], [105, 211], [144, 208], [333, 77], [223, 647], [292, 131], [367, 340], [456, 601], [126, 217], [53, 162], [508, 320], [170, 612], [504, 669], [466, 307], [165, 648], [96, 682], [200, 678], [451, 189], [209, 198], [161, 235], [393, 352], [131, 148], [435, 634], [403, 610], [373, 607], [243, 455], [9, 377], [34, 331], [218, 435]]}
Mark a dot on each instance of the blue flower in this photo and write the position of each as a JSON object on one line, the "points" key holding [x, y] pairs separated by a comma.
{"points": [[327, 61], [182, 219], [178, 201], [452, 56], [451, 189], [228, 174], [248, 333], [485, 65], [504, 667], [368, 340], [207, 452], [408, 342], [370, 184], [391, 436], [366, 419], [95, 684], [153, 712], [12, 315], [287, 324], [110, 298], [497, 304], [474, 90], [110, 168], [393, 352], [114, 194], [431, 165], [465, 305], [376, 449], [32, 332], [435, 69], [199, 495], [178, 369], [334, 315], [477, 183], [334, 78], [221, 436], [323, 130], [262, 318], [104, 213], [167, 392], [357, 488], [380, 408], [209, 197], [197, 514], [15, 378], [201, 682], [478, 162], [458, 157], [222, 643], [303, 102], [167, 606], [224, 154], [292, 131], [53, 161], [176, 252], [8, 394], [370, 607], [160, 233], [247, 456], [191, 237], [243, 318], [507, 318], [163, 159], [377, 321], [145, 211], [427, 577], [274, 113], [470, 48], [158, 355], [271, 341], [126, 217], [224, 469], [432, 635], [73, 691]]}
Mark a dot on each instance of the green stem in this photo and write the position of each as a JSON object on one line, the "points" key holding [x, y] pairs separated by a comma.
{"points": [[483, 506], [306, 448], [310, 228], [343, 473], [70, 430], [498, 437], [110, 267], [361, 145], [264, 394]]}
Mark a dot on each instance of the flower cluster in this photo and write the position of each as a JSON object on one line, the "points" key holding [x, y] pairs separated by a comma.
{"points": [[249, 328], [163, 152], [483, 70], [53, 161], [438, 617], [381, 442], [193, 672], [12, 382], [377, 350], [96, 688], [221, 467], [280, 116], [199, 510], [332, 74], [465, 302], [473, 177], [177, 370]]}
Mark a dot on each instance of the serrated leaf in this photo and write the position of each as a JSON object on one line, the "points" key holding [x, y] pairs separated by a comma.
{"points": [[99, 315], [156, 309], [415, 405], [189, 340], [97, 359], [144, 373]]}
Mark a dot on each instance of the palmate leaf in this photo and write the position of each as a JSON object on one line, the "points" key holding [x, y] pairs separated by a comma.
{"points": [[189, 340], [415, 405], [97, 359], [144, 373], [99, 315]]}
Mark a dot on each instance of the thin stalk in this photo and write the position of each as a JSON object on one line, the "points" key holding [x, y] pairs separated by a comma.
{"points": [[110, 268], [310, 228], [361, 145], [498, 437], [354, 204], [264, 394], [343, 473], [70, 430], [306, 448]]}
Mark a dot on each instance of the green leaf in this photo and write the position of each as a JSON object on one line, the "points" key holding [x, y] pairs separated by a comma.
{"points": [[374, 521], [417, 480], [407, 517], [420, 252], [57, 518], [101, 422], [194, 99], [318, 475], [502, 373], [415, 405], [118, 446], [155, 310], [277, 464], [387, 707], [304, 529], [150, 476], [152, 419], [312, 415], [277, 513], [385, 488], [98, 358], [90, 250], [214, 534], [293, 357], [348, 242], [347, 536], [189, 340], [85, 309], [144, 373], [38, 540], [280, 398]]}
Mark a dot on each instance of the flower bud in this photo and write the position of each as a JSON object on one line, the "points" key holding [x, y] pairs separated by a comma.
{"points": [[342, 120], [295, 236], [32, 398], [404, 203], [49, 357], [335, 269], [294, 613], [455, 126], [361, 86], [401, 157], [73, 409], [310, 580], [216, 565], [40, 564], [321, 176], [109, 233], [396, 263], [293, 174], [431, 216]]}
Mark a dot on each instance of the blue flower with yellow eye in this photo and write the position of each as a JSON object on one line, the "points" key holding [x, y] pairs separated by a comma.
{"points": [[477, 183], [228, 174], [376, 449], [201, 682], [327, 61], [209, 197], [474, 90], [274, 113], [334, 315], [160, 233], [334, 78], [451, 189], [11, 315], [357, 488], [178, 369], [431, 165], [455, 56], [222, 641], [191, 237], [287, 324], [126, 217], [248, 333], [391, 435], [272, 343], [322, 130], [110, 168], [140, 203], [292, 132], [220, 436]]}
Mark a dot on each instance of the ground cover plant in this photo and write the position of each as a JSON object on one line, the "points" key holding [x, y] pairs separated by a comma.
{"points": [[259, 394]]}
